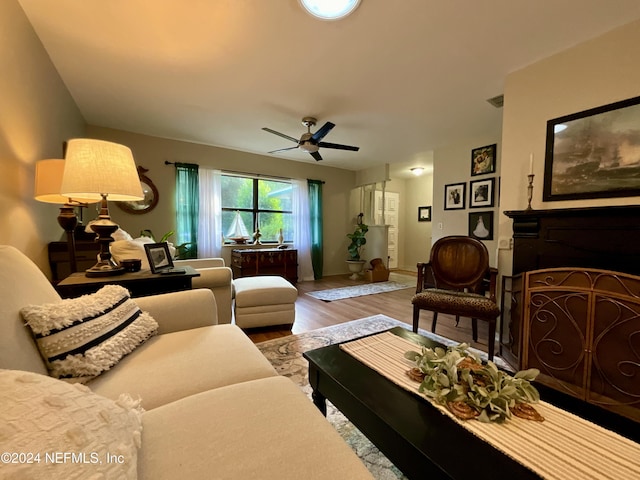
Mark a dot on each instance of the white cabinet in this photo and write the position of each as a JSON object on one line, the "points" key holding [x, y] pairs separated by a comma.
{"points": [[388, 215]]}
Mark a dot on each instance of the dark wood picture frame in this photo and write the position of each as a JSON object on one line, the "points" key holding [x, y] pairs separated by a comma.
{"points": [[159, 256], [151, 196], [594, 153], [482, 193], [424, 214], [455, 196], [481, 225], [483, 160]]}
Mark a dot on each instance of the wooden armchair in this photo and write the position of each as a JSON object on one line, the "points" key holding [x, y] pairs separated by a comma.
{"points": [[455, 281]]}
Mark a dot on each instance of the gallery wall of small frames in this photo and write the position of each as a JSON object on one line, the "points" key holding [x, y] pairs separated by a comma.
{"points": [[481, 192]]}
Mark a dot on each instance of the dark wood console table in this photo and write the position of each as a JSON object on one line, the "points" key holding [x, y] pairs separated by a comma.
{"points": [[139, 284], [250, 262], [86, 252]]}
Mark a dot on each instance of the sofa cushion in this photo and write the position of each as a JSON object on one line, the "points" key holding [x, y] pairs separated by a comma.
{"points": [[29, 286], [175, 365], [85, 336], [43, 416], [266, 429]]}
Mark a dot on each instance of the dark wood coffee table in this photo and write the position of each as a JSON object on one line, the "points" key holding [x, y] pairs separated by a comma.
{"points": [[412, 433]]}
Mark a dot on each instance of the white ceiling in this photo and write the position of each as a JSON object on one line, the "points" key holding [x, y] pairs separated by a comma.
{"points": [[398, 78]]}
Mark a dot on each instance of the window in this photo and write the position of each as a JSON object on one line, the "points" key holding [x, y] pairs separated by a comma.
{"points": [[259, 202]]}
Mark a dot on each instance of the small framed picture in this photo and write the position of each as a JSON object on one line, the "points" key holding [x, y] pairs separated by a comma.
{"points": [[481, 225], [424, 214], [481, 193], [454, 196], [158, 256], [483, 160]]}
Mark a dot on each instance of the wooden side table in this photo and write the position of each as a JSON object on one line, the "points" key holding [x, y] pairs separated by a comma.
{"points": [[140, 283]]}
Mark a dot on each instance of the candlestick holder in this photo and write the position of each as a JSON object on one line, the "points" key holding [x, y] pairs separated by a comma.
{"points": [[530, 190]]}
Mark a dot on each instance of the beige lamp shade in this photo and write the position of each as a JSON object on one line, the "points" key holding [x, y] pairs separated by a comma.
{"points": [[48, 180], [96, 167]]}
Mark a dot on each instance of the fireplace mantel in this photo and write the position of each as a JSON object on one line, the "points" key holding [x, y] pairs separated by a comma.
{"points": [[593, 237]]}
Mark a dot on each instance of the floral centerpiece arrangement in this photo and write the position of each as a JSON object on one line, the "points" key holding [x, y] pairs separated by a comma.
{"points": [[457, 379]]}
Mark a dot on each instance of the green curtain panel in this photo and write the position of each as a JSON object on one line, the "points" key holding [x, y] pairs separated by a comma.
{"points": [[315, 214], [187, 208]]}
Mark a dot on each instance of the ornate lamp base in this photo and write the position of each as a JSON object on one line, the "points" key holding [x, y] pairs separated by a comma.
{"points": [[105, 266]]}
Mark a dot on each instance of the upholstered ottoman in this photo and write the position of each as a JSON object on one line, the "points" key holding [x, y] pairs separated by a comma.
{"points": [[264, 301]]}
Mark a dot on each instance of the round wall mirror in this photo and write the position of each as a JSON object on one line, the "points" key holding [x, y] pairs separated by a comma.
{"points": [[150, 199]]}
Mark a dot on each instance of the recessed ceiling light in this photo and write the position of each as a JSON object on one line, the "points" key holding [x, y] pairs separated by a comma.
{"points": [[417, 171], [330, 9]]}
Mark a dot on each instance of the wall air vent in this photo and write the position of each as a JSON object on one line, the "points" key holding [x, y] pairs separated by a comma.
{"points": [[497, 102]]}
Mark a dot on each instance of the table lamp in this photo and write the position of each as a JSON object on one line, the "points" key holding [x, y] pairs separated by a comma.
{"points": [[48, 179], [104, 171]]}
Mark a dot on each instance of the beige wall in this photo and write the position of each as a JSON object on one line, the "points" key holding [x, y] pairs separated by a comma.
{"points": [[416, 236], [151, 153], [37, 114], [594, 73]]}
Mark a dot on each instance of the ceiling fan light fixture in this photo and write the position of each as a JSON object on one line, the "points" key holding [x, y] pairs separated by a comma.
{"points": [[330, 9], [417, 171], [309, 147]]}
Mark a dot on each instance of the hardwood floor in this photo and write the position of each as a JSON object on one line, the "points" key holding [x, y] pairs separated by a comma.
{"points": [[312, 313]]}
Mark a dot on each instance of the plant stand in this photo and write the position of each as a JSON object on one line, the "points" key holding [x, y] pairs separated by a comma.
{"points": [[355, 267]]}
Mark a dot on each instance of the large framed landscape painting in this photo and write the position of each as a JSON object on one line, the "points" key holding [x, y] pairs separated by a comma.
{"points": [[594, 153]]}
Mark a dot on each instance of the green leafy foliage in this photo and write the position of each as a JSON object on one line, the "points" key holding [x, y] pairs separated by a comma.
{"points": [[358, 241], [274, 202], [457, 375]]}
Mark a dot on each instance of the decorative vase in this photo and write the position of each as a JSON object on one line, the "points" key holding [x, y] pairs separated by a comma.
{"points": [[355, 267], [280, 238]]}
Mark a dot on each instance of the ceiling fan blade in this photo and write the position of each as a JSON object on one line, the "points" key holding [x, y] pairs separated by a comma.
{"points": [[322, 132], [316, 155], [338, 146], [282, 149], [280, 134]]}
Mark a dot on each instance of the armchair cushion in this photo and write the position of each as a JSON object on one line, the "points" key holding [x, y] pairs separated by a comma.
{"points": [[456, 303], [85, 336]]}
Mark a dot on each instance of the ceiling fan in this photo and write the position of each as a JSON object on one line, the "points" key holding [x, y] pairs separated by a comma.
{"points": [[311, 142]]}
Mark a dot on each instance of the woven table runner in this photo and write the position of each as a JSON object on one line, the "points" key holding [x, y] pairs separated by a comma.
{"points": [[562, 447]]}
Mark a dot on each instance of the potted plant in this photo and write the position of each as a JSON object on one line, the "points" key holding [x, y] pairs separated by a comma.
{"points": [[354, 249]]}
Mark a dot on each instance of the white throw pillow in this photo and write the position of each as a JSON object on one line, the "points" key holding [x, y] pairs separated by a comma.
{"points": [[50, 429], [124, 249], [82, 337]]}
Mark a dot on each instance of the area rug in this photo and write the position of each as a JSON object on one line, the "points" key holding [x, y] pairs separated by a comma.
{"points": [[396, 282], [285, 354]]}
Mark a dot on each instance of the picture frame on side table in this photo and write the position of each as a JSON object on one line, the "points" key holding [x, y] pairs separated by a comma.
{"points": [[455, 196], [481, 225], [424, 214], [159, 256], [482, 193], [483, 160], [594, 153]]}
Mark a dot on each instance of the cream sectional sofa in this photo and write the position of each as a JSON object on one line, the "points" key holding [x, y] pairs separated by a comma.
{"points": [[214, 406]]}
